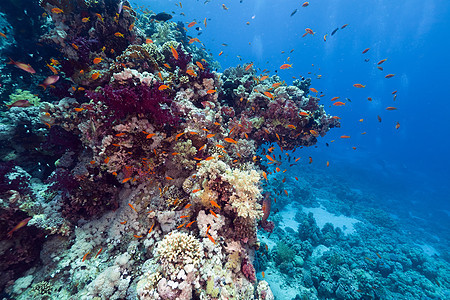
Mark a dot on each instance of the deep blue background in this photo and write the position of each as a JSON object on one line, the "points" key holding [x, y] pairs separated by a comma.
{"points": [[412, 35]]}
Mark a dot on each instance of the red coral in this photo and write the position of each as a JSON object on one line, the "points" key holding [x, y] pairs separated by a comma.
{"points": [[248, 270]]}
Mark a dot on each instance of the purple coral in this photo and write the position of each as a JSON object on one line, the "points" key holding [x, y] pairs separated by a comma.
{"points": [[184, 58], [137, 99]]}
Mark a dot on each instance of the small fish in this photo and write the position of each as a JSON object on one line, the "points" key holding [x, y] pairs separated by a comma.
{"points": [[389, 76], [397, 126], [213, 203], [313, 90], [19, 225], [123, 223], [291, 126], [85, 256], [169, 178], [309, 30], [132, 207], [310, 160], [57, 10], [191, 24], [380, 68], [305, 4], [325, 37], [189, 224], [95, 76], [163, 87], [334, 31], [314, 133], [213, 213], [345, 136], [137, 236], [229, 140], [98, 253], [220, 53], [248, 67], [285, 66], [381, 61], [287, 194], [85, 20], [99, 16], [303, 114], [211, 91], [268, 94], [97, 60], [22, 66], [391, 108], [334, 98], [365, 50], [359, 85], [191, 72], [369, 98], [343, 26], [210, 135], [195, 191], [379, 119], [338, 103], [211, 238], [328, 163], [224, 7], [118, 34], [294, 12], [3, 35], [150, 135]]}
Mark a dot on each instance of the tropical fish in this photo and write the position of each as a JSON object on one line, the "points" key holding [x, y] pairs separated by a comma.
{"points": [[161, 17], [97, 60], [334, 31], [285, 66], [313, 90], [389, 75], [305, 4], [359, 85], [22, 66], [381, 61], [19, 225], [95, 75], [221, 52], [345, 136], [19, 103], [213, 203], [365, 50], [118, 34], [191, 24], [343, 26], [294, 12], [224, 7], [163, 87], [338, 103], [379, 119], [85, 20], [391, 108], [229, 140], [57, 10], [325, 37], [397, 126], [248, 67]]}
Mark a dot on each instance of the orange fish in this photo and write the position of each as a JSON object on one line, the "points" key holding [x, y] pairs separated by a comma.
{"points": [[97, 60], [199, 64], [163, 87], [78, 109], [305, 4], [57, 10], [292, 127], [391, 108], [286, 193], [338, 103], [19, 225], [213, 203], [262, 273], [191, 24], [314, 133], [397, 126], [123, 223], [213, 213], [334, 98], [230, 140], [265, 175], [137, 236], [309, 30], [285, 66], [313, 90], [325, 37], [379, 119], [132, 207], [304, 114], [210, 237], [248, 67], [99, 251], [343, 26], [99, 16], [85, 20], [310, 160], [74, 46], [211, 91], [365, 50], [369, 98], [191, 72], [126, 179], [95, 76], [359, 85], [174, 52], [195, 191], [268, 94], [345, 136], [85, 256], [118, 34], [389, 76], [169, 178], [328, 163], [150, 135], [106, 160], [210, 135], [263, 78], [221, 52], [381, 61]]}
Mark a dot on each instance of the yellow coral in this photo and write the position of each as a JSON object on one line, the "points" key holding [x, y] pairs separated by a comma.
{"points": [[20, 94]]}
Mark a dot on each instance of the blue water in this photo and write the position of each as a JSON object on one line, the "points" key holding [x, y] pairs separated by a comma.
{"points": [[411, 35]]}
